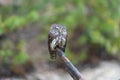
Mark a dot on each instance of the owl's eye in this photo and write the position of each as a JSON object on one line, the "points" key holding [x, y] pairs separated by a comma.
{"points": [[56, 32], [64, 32], [63, 29]]}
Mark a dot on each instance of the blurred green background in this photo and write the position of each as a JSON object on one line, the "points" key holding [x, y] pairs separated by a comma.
{"points": [[92, 25]]}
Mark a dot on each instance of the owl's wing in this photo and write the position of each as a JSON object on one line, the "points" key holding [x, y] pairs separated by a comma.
{"points": [[51, 52], [65, 44]]}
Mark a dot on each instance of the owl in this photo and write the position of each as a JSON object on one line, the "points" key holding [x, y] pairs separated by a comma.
{"points": [[57, 38]]}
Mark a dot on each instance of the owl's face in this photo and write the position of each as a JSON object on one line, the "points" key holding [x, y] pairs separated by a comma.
{"points": [[58, 30], [58, 34]]}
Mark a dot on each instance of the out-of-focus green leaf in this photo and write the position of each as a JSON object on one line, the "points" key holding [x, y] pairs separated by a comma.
{"points": [[96, 37], [32, 16], [1, 30], [82, 40], [20, 58]]}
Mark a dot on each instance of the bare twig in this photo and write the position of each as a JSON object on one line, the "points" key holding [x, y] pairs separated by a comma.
{"points": [[71, 69]]}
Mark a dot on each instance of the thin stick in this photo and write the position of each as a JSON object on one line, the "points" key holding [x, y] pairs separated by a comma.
{"points": [[71, 69]]}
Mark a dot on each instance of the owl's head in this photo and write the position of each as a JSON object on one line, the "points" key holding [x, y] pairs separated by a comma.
{"points": [[58, 36], [57, 29]]}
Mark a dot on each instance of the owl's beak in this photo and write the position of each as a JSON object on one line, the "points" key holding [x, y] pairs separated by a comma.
{"points": [[60, 30]]}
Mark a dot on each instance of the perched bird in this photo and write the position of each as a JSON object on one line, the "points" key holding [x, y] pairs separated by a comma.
{"points": [[57, 37]]}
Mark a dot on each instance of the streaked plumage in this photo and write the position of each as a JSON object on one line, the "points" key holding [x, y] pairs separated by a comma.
{"points": [[57, 37]]}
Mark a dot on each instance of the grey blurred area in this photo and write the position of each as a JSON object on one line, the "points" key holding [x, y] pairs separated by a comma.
{"points": [[9, 2]]}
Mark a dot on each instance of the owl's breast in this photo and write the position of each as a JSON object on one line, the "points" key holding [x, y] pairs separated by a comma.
{"points": [[61, 41]]}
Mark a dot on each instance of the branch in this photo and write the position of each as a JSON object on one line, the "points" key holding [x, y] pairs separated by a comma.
{"points": [[71, 69]]}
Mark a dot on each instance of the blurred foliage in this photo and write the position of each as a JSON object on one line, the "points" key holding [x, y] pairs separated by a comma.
{"points": [[92, 22], [13, 54], [14, 21]]}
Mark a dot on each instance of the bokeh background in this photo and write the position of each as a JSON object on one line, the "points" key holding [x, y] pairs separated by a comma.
{"points": [[93, 38]]}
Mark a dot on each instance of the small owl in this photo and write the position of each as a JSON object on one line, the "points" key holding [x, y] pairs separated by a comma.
{"points": [[57, 37]]}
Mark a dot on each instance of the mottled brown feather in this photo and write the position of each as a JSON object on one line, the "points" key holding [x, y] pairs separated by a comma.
{"points": [[51, 37]]}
